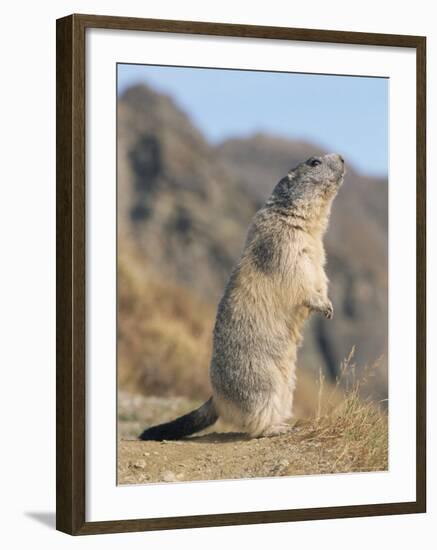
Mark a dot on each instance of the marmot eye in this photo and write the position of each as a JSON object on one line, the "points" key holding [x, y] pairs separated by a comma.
{"points": [[314, 162]]}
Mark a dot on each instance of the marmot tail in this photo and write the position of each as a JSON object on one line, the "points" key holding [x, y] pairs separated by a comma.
{"points": [[190, 423]]}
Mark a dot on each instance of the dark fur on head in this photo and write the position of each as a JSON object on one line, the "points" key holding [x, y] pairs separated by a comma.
{"points": [[313, 182]]}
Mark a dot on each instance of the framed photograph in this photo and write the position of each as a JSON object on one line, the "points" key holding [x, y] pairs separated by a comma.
{"points": [[240, 274]]}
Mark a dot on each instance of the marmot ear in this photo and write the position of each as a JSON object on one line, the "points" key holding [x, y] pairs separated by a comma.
{"points": [[291, 175]]}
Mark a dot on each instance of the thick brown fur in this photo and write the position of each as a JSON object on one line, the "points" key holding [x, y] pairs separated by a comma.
{"points": [[279, 280]]}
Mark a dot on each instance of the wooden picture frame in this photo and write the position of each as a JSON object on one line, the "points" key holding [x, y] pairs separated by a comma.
{"points": [[71, 275]]}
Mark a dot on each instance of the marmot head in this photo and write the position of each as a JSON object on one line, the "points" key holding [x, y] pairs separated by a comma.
{"points": [[312, 183]]}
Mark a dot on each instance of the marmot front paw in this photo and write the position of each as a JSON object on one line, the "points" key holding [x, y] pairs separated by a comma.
{"points": [[325, 308], [328, 312]]}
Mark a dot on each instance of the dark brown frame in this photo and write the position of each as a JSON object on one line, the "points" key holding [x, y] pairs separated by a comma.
{"points": [[70, 274]]}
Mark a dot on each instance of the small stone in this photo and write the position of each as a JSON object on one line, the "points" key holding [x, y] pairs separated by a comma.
{"points": [[139, 464], [146, 454], [169, 476]]}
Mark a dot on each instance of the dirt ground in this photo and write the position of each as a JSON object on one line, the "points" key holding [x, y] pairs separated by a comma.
{"points": [[312, 447]]}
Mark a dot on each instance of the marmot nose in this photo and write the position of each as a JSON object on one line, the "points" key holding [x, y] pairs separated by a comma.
{"points": [[335, 158]]}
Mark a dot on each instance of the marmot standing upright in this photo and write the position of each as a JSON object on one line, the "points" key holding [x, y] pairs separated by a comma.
{"points": [[279, 280]]}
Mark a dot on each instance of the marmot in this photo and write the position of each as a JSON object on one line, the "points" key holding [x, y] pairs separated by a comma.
{"points": [[279, 280]]}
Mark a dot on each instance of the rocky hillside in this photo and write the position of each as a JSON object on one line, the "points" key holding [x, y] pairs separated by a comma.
{"points": [[183, 210]]}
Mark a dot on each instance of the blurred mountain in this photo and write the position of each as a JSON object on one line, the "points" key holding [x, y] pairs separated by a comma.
{"points": [[184, 207], [183, 210]]}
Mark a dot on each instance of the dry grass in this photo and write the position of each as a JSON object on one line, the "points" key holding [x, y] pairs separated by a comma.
{"points": [[164, 337], [358, 428], [354, 434]]}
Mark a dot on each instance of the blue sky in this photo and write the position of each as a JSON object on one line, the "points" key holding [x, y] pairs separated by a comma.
{"points": [[343, 114]]}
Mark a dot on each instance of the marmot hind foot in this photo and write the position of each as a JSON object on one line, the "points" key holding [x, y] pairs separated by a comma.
{"points": [[277, 429]]}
